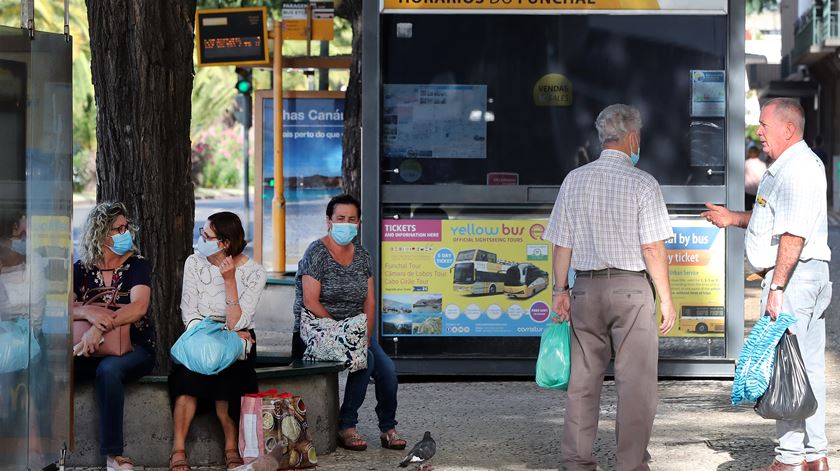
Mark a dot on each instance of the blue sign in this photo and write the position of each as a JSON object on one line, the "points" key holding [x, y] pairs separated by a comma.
{"points": [[312, 133]]}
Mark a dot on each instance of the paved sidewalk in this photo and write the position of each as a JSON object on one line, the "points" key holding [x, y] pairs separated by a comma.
{"points": [[516, 426]]}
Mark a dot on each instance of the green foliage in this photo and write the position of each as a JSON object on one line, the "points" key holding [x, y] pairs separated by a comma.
{"points": [[217, 156], [212, 95], [758, 6], [49, 16], [752, 132], [84, 170]]}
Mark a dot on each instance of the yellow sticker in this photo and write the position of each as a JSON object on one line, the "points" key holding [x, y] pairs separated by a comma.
{"points": [[553, 90], [760, 200]]}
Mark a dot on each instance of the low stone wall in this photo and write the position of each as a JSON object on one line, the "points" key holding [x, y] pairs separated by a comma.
{"points": [[148, 417]]}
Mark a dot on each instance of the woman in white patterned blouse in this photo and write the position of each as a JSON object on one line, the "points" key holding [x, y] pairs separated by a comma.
{"points": [[223, 284]]}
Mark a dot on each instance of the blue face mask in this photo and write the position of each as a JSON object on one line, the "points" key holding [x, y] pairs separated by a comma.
{"points": [[122, 243], [19, 246], [634, 156], [207, 247], [343, 232]]}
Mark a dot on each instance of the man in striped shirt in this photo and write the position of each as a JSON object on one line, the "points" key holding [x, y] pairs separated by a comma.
{"points": [[610, 224]]}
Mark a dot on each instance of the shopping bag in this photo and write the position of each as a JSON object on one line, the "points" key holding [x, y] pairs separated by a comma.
{"points": [[207, 348], [554, 363], [755, 364], [789, 395], [328, 339], [17, 345], [281, 422]]}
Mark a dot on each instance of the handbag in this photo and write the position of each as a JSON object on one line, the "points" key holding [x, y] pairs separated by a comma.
{"points": [[554, 363], [789, 395], [269, 420], [328, 339], [17, 345], [116, 342], [208, 348]]}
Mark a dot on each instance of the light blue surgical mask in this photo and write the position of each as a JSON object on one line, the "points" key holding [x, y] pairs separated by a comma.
{"points": [[207, 247], [343, 232], [122, 243], [19, 246], [634, 156]]}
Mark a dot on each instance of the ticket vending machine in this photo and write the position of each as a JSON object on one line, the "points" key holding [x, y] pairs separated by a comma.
{"points": [[474, 112]]}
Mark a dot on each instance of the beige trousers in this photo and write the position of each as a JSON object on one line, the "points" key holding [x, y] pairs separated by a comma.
{"points": [[612, 316]]}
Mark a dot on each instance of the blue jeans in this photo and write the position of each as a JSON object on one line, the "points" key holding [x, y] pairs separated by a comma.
{"points": [[807, 295], [110, 375], [382, 369]]}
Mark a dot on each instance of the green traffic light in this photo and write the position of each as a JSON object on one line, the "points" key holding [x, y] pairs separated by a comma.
{"points": [[243, 86]]}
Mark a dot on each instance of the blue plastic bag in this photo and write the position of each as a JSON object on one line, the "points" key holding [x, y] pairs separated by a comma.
{"points": [[17, 345], [207, 348], [554, 363], [755, 364]]}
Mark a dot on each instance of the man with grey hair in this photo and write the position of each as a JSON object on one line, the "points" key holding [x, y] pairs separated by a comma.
{"points": [[610, 224], [787, 240]]}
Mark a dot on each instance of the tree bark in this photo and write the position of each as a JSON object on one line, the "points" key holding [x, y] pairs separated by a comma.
{"points": [[142, 67], [351, 163]]}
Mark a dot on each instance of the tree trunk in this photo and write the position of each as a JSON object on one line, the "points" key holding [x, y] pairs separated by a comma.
{"points": [[351, 163], [141, 62]]}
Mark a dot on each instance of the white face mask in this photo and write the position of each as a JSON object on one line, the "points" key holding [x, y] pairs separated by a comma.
{"points": [[207, 247]]}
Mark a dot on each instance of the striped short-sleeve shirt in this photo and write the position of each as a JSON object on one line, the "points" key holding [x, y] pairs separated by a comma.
{"points": [[605, 211]]}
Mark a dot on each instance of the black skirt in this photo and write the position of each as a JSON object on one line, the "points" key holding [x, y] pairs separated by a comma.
{"points": [[229, 385]]}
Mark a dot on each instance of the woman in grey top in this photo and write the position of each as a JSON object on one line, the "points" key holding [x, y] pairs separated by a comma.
{"points": [[334, 279]]}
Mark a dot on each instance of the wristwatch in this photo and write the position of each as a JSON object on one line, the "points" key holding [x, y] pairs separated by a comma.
{"points": [[554, 289], [775, 287]]}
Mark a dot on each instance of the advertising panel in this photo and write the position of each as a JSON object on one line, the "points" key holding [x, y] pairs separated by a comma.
{"points": [[312, 132], [465, 278], [696, 259]]}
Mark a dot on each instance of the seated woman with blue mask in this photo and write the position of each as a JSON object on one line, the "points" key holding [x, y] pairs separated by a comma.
{"points": [[335, 280]]}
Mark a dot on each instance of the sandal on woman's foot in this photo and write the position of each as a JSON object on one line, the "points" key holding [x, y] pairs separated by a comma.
{"points": [[392, 440], [232, 458], [119, 463], [178, 465], [351, 441]]}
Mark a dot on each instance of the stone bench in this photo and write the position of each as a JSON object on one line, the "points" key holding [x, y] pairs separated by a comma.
{"points": [[148, 416]]}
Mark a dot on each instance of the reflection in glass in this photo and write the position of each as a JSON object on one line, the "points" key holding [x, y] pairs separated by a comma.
{"points": [[540, 91]]}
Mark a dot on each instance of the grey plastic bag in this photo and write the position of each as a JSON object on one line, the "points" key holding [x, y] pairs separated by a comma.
{"points": [[789, 395]]}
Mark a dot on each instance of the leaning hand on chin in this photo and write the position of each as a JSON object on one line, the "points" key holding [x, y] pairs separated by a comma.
{"points": [[227, 267]]}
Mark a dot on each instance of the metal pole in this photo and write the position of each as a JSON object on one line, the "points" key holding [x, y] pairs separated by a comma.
{"points": [[27, 16], [246, 183], [67, 20], [324, 74], [278, 204]]}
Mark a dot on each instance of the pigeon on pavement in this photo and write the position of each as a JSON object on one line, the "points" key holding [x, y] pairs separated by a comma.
{"points": [[422, 452]]}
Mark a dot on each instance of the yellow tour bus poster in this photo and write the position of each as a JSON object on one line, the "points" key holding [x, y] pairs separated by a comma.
{"points": [[467, 278], [697, 266]]}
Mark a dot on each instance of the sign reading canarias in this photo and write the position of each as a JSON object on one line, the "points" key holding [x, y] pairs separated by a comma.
{"points": [[524, 6]]}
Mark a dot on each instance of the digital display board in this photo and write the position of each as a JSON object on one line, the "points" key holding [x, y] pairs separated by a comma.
{"points": [[232, 36]]}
